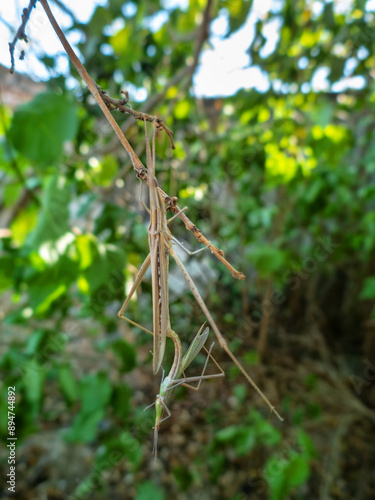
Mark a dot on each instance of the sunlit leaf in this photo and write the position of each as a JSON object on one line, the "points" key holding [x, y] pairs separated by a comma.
{"points": [[181, 110]]}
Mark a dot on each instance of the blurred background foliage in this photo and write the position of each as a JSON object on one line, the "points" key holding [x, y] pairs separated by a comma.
{"points": [[282, 180]]}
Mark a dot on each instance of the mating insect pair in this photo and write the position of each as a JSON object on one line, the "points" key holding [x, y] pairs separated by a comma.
{"points": [[160, 243]]}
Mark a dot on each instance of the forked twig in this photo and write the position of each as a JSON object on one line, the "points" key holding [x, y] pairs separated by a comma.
{"points": [[20, 35], [120, 105]]}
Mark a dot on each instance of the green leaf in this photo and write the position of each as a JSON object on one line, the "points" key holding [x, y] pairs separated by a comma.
{"points": [[240, 391], [246, 441], [95, 391], [267, 259], [132, 448], [266, 433], [85, 426], [85, 245], [284, 473], [34, 341], [228, 434], [368, 289], [6, 272], [275, 477], [53, 220], [101, 17], [4, 122], [40, 127], [104, 271], [124, 43], [182, 109], [67, 383], [149, 491], [298, 471], [23, 224], [47, 286], [106, 170], [238, 11], [126, 353], [121, 400], [33, 378], [306, 444], [242, 438], [251, 357]]}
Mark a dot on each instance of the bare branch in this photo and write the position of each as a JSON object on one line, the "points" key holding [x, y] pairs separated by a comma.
{"points": [[20, 35], [120, 105]]}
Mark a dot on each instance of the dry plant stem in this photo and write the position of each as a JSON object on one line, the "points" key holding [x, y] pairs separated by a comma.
{"points": [[137, 164], [120, 105], [202, 37], [219, 254], [20, 35], [113, 145]]}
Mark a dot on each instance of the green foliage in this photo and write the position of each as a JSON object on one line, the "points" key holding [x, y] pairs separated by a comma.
{"points": [[53, 219], [368, 290], [68, 384], [183, 477], [244, 438], [282, 180], [121, 400], [40, 127], [292, 469], [149, 491], [95, 393], [126, 353]]}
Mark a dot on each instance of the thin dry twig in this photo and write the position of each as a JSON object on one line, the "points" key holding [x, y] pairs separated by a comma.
{"points": [[113, 145], [20, 35], [203, 35], [136, 162], [120, 105]]}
